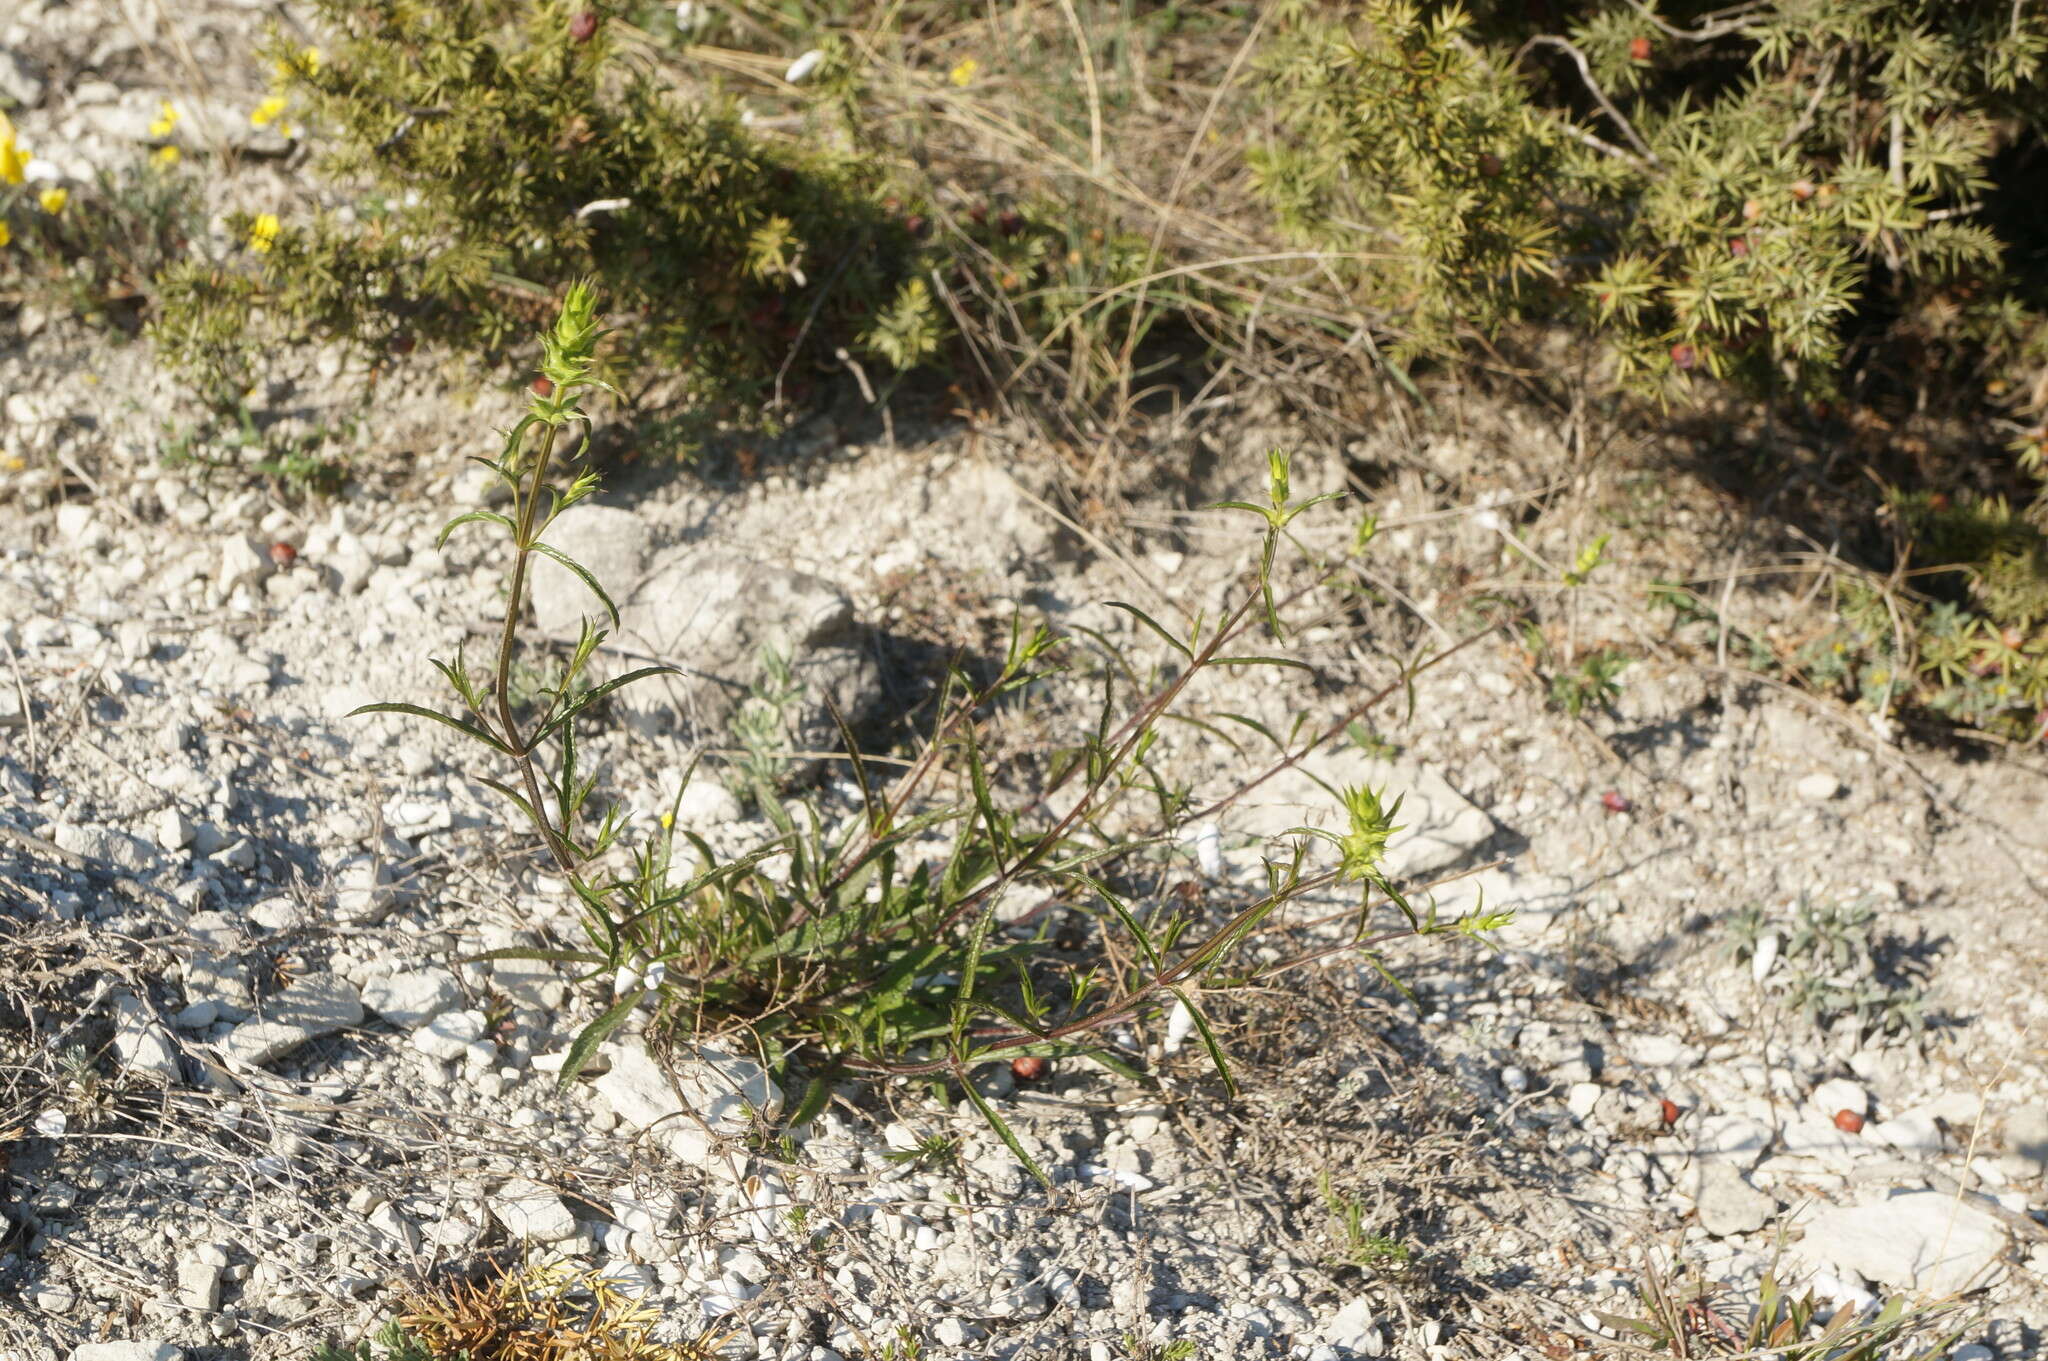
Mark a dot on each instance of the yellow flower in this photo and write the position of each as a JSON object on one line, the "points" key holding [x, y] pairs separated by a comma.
{"points": [[264, 114], [306, 62], [263, 233], [13, 160], [166, 119], [54, 198], [6, 233], [963, 74], [166, 156]]}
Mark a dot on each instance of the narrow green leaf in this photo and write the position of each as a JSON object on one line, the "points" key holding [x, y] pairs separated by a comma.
{"points": [[461, 725], [583, 575], [1149, 622], [1279, 743], [504, 473], [999, 837], [565, 788], [817, 1094], [470, 517], [878, 812], [598, 692], [1006, 1134], [1102, 1058], [1209, 1042], [459, 681], [1405, 383], [1206, 726], [1021, 1023], [1123, 914], [1262, 661], [1396, 984], [1312, 501], [535, 953], [585, 1045], [518, 799], [983, 921]]}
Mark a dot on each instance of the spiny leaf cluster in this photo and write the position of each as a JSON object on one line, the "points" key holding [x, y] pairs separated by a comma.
{"points": [[1739, 193]]}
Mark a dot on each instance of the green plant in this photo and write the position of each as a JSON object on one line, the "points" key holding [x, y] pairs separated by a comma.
{"points": [[1685, 1314], [1890, 650], [871, 950], [1358, 1245], [732, 251], [1812, 201], [1138, 1349], [391, 1343], [1471, 170], [905, 1346], [761, 726], [1835, 966], [96, 253], [1591, 684], [1745, 930], [228, 440], [936, 1151], [87, 1096]]}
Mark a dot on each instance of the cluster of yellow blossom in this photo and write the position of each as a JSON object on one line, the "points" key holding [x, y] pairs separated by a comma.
{"points": [[270, 113], [166, 123], [263, 233], [17, 166]]}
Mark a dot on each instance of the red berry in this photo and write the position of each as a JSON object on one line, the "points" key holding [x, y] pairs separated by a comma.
{"points": [[1669, 1110], [1802, 190], [1738, 246], [283, 554], [1030, 1068], [1684, 356], [544, 387], [1849, 1122], [1489, 164], [1614, 801], [1638, 49], [583, 26], [914, 224]]}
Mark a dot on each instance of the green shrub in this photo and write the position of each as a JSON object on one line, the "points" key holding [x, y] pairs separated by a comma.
{"points": [[1743, 199], [492, 151], [1807, 198]]}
